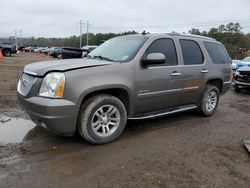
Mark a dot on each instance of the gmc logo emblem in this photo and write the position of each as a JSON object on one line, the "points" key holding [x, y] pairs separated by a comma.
{"points": [[24, 82]]}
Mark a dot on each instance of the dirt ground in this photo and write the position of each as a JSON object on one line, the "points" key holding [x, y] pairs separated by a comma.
{"points": [[181, 150]]}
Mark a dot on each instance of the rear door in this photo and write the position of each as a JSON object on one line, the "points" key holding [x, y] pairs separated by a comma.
{"points": [[195, 70], [158, 86]]}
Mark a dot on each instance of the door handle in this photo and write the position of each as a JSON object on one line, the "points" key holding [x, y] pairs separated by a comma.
{"points": [[176, 74], [204, 71]]}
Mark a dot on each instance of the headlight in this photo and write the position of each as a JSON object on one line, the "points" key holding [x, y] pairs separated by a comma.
{"points": [[53, 85], [237, 73]]}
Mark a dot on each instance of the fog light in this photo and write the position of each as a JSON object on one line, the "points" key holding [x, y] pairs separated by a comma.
{"points": [[42, 124]]}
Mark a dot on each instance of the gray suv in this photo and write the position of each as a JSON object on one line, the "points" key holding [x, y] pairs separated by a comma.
{"points": [[130, 77]]}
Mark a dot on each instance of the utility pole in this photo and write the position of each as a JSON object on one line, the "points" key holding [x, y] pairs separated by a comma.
{"points": [[87, 33], [80, 33], [16, 35], [21, 38], [81, 24]]}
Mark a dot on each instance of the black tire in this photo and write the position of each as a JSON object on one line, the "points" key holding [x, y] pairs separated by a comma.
{"points": [[202, 105], [59, 56], [236, 88], [87, 115], [7, 52]]}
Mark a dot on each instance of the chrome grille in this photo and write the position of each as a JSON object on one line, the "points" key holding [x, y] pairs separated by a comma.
{"points": [[25, 84], [245, 79]]}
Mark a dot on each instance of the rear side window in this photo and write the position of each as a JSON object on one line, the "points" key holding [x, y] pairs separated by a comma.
{"points": [[191, 52], [217, 53], [166, 47]]}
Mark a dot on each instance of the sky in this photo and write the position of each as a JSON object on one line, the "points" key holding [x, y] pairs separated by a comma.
{"points": [[58, 18]]}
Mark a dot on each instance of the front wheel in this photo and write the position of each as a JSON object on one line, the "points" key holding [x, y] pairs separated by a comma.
{"points": [[102, 119], [209, 101]]}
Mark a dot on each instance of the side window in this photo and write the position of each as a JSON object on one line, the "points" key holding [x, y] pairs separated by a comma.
{"points": [[217, 53], [191, 52], [166, 47]]}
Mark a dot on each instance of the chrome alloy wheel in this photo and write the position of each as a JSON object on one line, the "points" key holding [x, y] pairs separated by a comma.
{"points": [[211, 101], [106, 120]]}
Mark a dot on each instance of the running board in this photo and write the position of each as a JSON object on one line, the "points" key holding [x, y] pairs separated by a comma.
{"points": [[148, 116]]}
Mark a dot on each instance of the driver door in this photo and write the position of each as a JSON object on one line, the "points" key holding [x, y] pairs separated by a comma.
{"points": [[158, 86]]}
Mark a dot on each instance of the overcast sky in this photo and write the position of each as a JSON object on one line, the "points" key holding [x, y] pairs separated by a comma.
{"points": [[58, 18]]}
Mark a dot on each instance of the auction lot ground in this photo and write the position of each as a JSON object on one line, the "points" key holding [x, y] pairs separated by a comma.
{"points": [[181, 150]]}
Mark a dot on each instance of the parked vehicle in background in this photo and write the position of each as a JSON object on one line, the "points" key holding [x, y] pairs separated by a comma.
{"points": [[70, 53], [241, 79], [234, 64], [128, 77], [244, 62], [8, 48], [88, 49], [39, 49], [56, 52], [45, 50], [30, 49], [20, 48]]}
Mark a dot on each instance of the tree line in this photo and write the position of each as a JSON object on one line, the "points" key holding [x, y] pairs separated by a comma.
{"points": [[236, 42]]}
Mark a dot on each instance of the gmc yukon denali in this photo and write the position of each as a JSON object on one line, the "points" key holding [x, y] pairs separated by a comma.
{"points": [[129, 77]]}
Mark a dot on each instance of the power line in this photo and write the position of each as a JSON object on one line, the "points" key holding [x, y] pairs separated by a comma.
{"points": [[83, 22]]}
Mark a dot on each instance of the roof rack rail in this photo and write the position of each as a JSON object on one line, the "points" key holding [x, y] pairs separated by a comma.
{"points": [[191, 35]]}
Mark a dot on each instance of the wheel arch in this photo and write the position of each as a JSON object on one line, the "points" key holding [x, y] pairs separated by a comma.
{"points": [[121, 93], [218, 82]]}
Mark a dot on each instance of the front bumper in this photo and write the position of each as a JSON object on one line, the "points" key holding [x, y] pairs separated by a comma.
{"points": [[57, 115], [241, 85]]}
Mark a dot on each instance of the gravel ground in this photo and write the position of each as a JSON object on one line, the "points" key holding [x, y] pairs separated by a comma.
{"points": [[181, 150]]}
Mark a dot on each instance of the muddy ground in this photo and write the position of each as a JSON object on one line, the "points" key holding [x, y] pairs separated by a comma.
{"points": [[181, 150]]}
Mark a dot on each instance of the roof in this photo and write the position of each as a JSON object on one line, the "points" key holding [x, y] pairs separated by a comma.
{"points": [[192, 36], [181, 35]]}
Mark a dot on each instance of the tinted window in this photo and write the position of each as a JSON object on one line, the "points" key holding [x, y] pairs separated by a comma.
{"points": [[191, 51], [166, 47], [217, 53]]}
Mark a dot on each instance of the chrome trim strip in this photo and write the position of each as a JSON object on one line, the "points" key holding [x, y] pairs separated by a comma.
{"points": [[163, 114], [191, 88], [30, 72], [229, 82], [158, 92], [163, 66]]}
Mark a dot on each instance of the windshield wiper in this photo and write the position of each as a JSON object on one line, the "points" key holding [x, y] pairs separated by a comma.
{"points": [[88, 56], [103, 58]]}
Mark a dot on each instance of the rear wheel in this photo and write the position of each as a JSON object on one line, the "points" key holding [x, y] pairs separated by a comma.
{"points": [[209, 101], [102, 119], [7, 52]]}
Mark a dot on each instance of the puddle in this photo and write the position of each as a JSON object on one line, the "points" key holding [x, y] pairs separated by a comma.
{"points": [[16, 131]]}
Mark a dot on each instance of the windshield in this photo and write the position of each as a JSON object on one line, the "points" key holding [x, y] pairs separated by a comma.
{"points": [[247, 59], [119, 49]]}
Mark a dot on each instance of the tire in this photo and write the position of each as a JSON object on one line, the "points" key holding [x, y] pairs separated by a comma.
{"points": [[7, 52], [59, 56], [236, 88], [102, 119], [209, 101]]}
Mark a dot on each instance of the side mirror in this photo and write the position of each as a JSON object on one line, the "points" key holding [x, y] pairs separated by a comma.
{"points": [[153, 59]]}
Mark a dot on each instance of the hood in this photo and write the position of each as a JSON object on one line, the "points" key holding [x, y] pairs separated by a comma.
{"points": [[244, 68], [41, 68], [241, 64]]}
